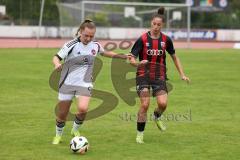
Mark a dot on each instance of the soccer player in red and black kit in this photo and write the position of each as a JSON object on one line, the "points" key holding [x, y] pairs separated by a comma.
{"points": [[151, 49]]}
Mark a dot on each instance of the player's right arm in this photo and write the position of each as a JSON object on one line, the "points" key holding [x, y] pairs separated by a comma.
{"points": [[58, 57], [57, 62], [136, 50], [135, 63], [63, 53]]}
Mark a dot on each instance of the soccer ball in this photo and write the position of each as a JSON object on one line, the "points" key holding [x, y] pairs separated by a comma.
{"points": [[79, 144]]}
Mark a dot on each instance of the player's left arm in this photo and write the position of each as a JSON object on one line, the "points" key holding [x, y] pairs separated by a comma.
{"points": [[112, 54], [170, 49], [134, 54], [179, 67]]}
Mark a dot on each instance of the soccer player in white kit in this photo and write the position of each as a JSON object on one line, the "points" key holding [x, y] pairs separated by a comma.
{"points": [[78, 55]]}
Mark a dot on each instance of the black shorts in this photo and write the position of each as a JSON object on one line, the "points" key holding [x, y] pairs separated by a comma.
{"points": [[156, 85]]}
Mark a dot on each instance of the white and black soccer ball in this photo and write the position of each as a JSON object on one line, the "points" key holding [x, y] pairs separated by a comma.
{"points": [[79, 144]]}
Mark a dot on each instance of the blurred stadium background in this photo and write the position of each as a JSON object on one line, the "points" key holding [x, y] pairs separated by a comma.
{"points": [[216, 21]]}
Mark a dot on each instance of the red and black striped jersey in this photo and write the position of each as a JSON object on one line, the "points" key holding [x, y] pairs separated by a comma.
{"points": [[153, 50]]}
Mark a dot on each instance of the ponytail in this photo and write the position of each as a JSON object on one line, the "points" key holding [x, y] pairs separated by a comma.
{"points": [[159, 14], [161, 11], [86, 23]]}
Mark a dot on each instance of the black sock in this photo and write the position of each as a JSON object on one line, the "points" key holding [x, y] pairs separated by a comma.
{"points": [[78, 121], [60, 124], [157, 114], [141, 126]]}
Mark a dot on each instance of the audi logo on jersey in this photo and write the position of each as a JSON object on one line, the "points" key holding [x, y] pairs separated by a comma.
{"points": [[155, 52]]}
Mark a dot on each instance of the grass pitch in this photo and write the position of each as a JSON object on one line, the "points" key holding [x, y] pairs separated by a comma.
{"points": [[202, 118]]}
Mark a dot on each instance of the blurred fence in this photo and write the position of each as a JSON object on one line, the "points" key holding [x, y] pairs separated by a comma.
{"points": [[117, 33]]}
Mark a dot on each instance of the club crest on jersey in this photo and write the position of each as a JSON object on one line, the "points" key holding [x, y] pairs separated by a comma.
{"points": [[163, 44], [93, 52], [147, 44]]}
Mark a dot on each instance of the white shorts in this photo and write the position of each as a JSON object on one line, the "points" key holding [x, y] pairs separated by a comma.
{"points": [[66, 97], [67, 92]]}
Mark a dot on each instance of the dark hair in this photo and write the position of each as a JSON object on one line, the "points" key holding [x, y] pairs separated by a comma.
{"points": [[159, 14], [86, 23]]}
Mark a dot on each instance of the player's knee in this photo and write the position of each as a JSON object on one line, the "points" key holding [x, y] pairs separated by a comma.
{"points": [[162, 104], [82, 109], [145, 106], [80, 117]]}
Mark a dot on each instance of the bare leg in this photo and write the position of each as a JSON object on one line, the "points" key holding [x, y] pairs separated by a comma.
{"points": [[142, 114], [145, 101], [82, 107], [162, 103], [61, 116], [62, 110]]}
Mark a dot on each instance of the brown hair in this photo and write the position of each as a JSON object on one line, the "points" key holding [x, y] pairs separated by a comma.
{"points": [[86, 23], [159, 14]]}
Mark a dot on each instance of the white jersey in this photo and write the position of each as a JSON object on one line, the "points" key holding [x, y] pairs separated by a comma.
{"points": [[75, 49]]}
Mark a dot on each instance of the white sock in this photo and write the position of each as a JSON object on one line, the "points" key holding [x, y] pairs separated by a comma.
{"points": [[75, 126], [59, 131], [140, 133]]}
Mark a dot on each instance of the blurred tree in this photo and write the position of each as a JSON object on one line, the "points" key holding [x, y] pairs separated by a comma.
{"points": [[227, 19], [100, 19], [26, 12], [129, 22]]}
